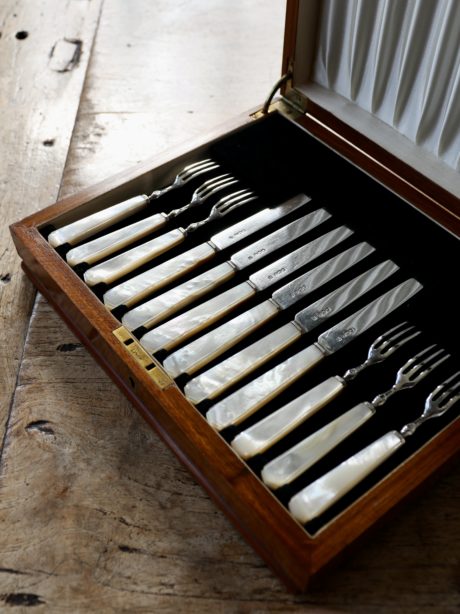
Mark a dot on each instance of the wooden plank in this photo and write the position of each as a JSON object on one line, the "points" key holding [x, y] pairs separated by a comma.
{"points": [[97, 515], [165, 72], [44, 54]]}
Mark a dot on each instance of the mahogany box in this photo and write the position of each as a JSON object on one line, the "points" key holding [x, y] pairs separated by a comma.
{"points": [[366, 124]]}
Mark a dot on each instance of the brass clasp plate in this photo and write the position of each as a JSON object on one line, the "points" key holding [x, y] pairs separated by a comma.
{"points": [[161, 379]]}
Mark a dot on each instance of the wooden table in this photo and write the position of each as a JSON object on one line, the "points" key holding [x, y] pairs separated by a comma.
{"points": [[96, 514]]}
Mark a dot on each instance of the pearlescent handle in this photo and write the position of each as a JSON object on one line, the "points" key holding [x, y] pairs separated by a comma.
{"points": [[91, 224], [165, 305], [317, 497], [263, 434], [136, 288], [213, 382], [247, 400], [95, 250], [110, 270], [180, 328], [201, 351], [288, 466]]}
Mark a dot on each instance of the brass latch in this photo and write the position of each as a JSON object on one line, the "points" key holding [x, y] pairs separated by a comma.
{"points": [[161, 379]]}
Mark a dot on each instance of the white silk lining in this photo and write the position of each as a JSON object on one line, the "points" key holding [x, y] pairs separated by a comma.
{"points": [[400, 61]]}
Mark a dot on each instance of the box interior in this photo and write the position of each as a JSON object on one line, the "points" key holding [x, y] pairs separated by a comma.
{"points": [[391, 71], [277, 159]]}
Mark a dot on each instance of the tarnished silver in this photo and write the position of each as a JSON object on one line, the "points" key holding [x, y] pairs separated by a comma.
{"points": [[383, 347], [437, 403], [205, 191], [327, 306], [412, 372], [254, 252], [224, 206], [223, 239], [341, 334], [188, 173], [300, 257]]}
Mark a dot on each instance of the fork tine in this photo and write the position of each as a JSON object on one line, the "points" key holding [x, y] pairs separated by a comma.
{"points": [[191, 174], [414, 364], [218, 185], [425, 372], [190, 168], [235, 196], [413, 360], [384, 335], [237, 202], [212, 180], [440, 392], [231, 196], [388, 346]]}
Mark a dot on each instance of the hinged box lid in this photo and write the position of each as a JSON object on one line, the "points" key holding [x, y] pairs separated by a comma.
{"points": [[388, 68]]}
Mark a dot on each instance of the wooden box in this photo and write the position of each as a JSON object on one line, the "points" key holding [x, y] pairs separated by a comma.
{"points": [[361, 128]]}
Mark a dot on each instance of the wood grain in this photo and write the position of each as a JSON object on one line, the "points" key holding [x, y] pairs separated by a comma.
{"points": [[44, 54], [109, 521], [97, 515]]}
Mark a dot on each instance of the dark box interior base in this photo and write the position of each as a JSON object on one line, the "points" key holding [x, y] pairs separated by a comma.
{"points": [[277, 159]]}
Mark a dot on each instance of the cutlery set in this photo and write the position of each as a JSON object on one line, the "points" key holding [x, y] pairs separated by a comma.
{"points": [[310, 282]]}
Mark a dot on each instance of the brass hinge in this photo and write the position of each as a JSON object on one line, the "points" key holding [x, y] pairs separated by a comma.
{"points": [[285, 105], [161, 379]]}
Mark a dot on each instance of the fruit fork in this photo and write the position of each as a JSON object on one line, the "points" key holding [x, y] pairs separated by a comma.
{"points": [[313, 400], [285, 468], [321, 494], [97, 249], [91, 224], [110, 270]]}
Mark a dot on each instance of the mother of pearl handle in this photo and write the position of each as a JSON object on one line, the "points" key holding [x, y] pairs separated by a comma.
{"points": [[91, 224], [318, 496], [165, 305], [99, 248], [110, 270], [248, 399], [201, 351], [266, 432], [294, 462], [135, 289], [194, 320], [214, 381]]}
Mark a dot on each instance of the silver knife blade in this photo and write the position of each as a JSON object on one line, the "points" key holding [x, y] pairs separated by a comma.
{"points": [[214, 343], [268, 244], [348, 329], [292, 262], [328, 305], [223, 239], [215, 380], [136, 288], [292, 292]]}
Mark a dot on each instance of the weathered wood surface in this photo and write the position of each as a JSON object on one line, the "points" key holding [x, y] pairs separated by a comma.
{"points": [[96, 514], [43, 59]]}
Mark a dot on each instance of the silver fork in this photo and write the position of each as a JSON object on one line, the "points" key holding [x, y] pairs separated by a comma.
{"points": [[412, 372], [99, 248], [205, 191], [318, 496], [437, 403], [86, 227], [188, 173], [278, 424], [224, 206], [295, 461], [382, 348], [112, 269]]}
